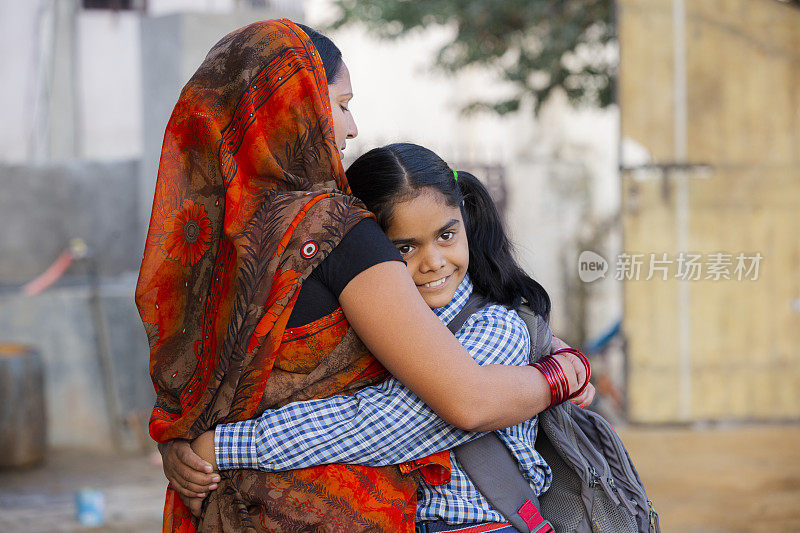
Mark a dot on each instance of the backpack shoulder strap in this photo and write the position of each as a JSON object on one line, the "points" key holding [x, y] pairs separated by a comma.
{"points": [[475, 303], [493, 470], [539, 330], [490, 466]]}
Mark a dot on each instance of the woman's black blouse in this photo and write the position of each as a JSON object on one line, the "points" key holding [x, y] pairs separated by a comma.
{"points": [[365, 245]]}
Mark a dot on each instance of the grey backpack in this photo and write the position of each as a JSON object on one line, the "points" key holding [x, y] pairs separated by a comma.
{"points": [[595, 486]]}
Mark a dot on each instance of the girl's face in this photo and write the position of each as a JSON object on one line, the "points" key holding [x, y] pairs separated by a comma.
{"points": [[340, 93], [431, 237]]}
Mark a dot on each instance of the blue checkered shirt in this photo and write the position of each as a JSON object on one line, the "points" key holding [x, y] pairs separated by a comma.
{"points": [[388, 424]]}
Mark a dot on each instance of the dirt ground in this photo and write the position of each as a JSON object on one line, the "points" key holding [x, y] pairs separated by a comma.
{"points": [[42, 500], [735, 479]]}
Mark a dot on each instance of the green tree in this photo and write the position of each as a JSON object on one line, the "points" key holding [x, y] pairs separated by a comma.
{"points": [[537, 46]]}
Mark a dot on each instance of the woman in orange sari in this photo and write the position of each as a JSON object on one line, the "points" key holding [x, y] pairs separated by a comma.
{"points": [[250, 200]]}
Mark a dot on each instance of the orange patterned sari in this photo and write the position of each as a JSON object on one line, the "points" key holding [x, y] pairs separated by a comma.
{"points": [[250, 198]]}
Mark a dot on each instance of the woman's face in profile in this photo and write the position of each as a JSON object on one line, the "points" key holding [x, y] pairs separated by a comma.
{"points": [[340, 93]]}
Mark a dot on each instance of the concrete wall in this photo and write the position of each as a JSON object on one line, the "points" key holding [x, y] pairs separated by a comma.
{"points": [[713, 83], [21, 48], [62, 325], [76, 90], [110, 87], [43, 207], [77, 74], [563, 199]]}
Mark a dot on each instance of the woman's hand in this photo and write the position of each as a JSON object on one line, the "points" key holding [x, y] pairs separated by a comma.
{"points": [[187, 472], [586, 397], [557, 344], [587, 394]]}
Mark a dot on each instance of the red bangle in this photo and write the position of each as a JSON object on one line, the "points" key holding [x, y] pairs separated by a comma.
{"points": [[555, 386], [558, 390], [586, 364], [556, 379], [564, 392], [541, 367]]}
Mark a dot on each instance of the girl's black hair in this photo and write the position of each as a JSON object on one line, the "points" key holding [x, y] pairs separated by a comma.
{"points": [[329, 53], [387, 175]]}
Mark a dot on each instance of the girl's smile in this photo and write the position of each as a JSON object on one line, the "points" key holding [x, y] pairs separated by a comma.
{"points": [[438, 283], [430, 236]]}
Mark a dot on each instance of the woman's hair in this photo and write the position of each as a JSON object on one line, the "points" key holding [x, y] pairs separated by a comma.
{"points": [[329, 53], [385, 176]]}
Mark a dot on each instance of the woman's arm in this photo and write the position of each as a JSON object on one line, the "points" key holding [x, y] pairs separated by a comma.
{"points": [[383, 306], [414, 345], [380, 425]]}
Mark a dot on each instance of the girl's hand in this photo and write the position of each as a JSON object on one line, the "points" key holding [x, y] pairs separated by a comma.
{"points": [[186, 471], [195, 505]]}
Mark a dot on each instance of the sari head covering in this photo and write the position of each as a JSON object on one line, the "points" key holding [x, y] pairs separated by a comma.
{"points": [[251, 196]]}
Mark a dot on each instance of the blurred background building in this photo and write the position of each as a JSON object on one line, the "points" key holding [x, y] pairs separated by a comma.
{"points": [[89, 87], [709, 95], [699, 152]]}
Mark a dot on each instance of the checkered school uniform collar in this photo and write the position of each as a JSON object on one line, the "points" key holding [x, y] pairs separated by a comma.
{"points": [[448, 312]]}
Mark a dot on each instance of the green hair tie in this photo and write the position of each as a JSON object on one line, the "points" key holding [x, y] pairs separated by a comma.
{"points": [[455, 175]]}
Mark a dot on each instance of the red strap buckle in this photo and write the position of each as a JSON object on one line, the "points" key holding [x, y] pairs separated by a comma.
{"points": [[534, 519]]}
